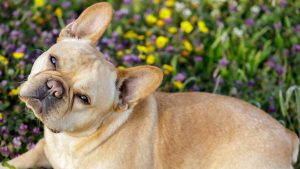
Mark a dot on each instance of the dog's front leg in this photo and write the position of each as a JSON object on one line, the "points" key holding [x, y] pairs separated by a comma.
{"points": [[33, 158]]}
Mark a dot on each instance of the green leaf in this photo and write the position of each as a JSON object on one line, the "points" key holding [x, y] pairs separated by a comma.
{"points": [[282, 105], [5, 164]]}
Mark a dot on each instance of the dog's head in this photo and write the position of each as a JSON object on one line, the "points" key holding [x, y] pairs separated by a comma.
{"points": [[72, 88]]}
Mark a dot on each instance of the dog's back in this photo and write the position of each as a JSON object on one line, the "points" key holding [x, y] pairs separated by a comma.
{"points": [[200, 130]]}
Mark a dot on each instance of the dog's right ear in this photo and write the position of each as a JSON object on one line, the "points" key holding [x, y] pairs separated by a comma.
{"points": [[136, 83], [90, 25]]}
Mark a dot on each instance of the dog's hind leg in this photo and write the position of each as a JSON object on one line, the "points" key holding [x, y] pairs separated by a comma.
{"points": [[33, 158]]}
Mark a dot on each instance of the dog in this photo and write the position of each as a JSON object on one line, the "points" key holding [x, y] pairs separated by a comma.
{"points": [[96, 116]]}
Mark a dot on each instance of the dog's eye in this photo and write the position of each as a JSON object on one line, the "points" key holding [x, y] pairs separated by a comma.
{"points": [[53, 60], [84, 99]]}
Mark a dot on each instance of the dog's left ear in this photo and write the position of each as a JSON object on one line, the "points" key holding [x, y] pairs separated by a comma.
{"points": [[136, 83], [90, 25]]}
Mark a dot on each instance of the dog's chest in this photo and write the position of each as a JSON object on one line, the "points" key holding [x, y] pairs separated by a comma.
{"points": [[62, 155]]}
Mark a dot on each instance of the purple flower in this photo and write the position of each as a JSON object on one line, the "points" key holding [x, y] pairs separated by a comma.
{"points": [[198, 59], [16, 34], [220, 23], [195, 88], [296, 29], [66, 4], [283, 3], [127, 2], [232, 8], [4, 130], [265, 8], [121, 13], [16, 13], [295, 48], [136, 17], [271, 63], [239, 83], [249, 22], [15, 154], [251, 83], [22, 64], [277, 25], [5, 151], [119, 46], [36, 130], [3, 83], [17, 23], [3, 29], [168, 20], [279, 70], [55, 32], [30, 145], [23, 129], [224, 62], [21, 49], [21, 77], [170, 49], [114, 35], [106, 41], [286, 52], [218, 80], [272, 108], [17, 142], [180, 77], [10, 48], [131, 58]]}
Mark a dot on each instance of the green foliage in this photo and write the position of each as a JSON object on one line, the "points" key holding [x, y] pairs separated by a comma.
{"points": [[245, 49]]}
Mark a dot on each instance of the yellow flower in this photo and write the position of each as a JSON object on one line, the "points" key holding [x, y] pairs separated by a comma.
{"points": [[194, 19], [202, 26], [160, 23], [170, 3], [172, 29], [178, 84], [3, 60], [156, 1], [131, 35], [141, 37], [58, 12], [165, 13], [185, 53], [142, 49], [121, 67], [161, 41], [148, 33], [1, 116], [39, 3], [151, 19], [150, 48], [120, 53], [187, 45], [18, 55], [143, 57], [14, 92], [186, 26], [49, 8], [40, 20], [150, 59], [168, 69]]}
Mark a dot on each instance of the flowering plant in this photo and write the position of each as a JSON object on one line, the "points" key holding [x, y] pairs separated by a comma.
{"points": [[249, 50]]}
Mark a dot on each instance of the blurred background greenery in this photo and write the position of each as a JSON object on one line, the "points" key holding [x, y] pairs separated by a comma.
{"points": [[245, 49]]}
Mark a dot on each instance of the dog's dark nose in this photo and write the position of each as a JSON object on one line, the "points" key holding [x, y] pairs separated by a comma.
{"points": [[55, 88]]}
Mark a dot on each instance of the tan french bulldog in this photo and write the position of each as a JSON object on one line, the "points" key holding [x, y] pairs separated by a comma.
{"points": [[99, 117]]}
